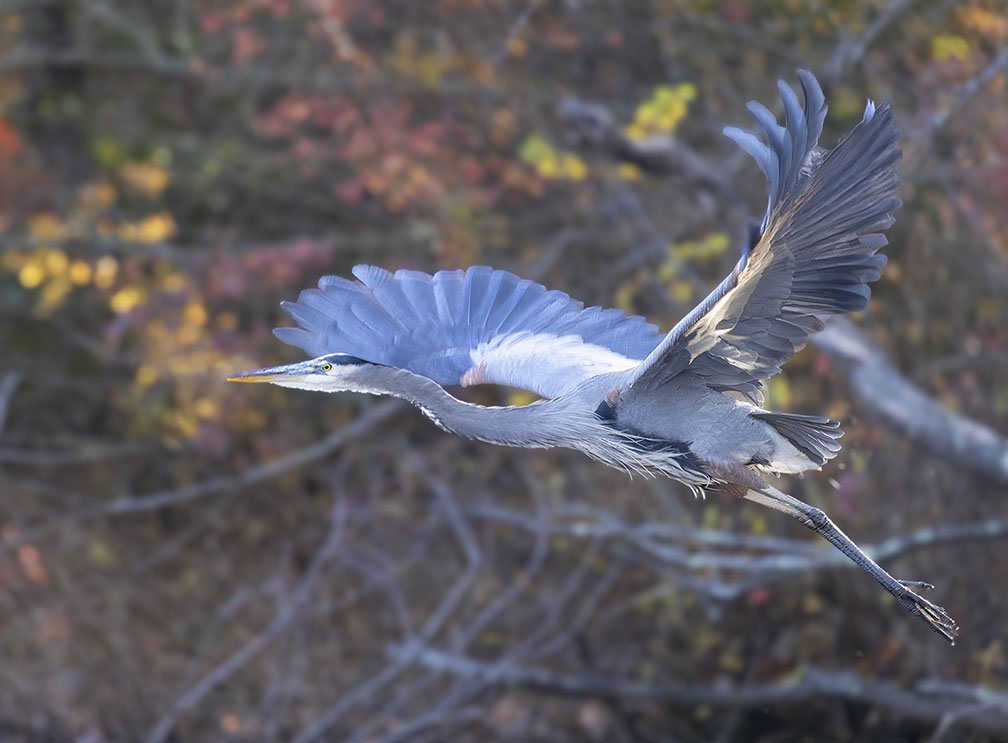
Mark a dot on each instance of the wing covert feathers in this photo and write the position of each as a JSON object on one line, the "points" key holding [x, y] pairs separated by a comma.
{"points": [[439, 325]]}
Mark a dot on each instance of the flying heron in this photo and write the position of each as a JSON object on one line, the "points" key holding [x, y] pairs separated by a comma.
{"points": [[686, 404]]}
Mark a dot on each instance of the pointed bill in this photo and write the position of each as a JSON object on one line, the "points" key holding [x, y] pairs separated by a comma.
{"points": [[272, 373]]}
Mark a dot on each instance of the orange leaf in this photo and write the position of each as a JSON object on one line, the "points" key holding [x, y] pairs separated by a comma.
{"points": [[10, 142]]}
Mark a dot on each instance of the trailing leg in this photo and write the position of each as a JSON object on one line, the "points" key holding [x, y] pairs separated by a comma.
{"points": [[821, 524]]}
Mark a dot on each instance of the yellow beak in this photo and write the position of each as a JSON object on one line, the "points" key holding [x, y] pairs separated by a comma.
{"points": [[253, 378]]}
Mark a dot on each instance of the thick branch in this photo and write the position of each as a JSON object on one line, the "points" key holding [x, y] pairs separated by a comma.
{"points": [[669, 544], [883, 390], [592, 126], [811, 683]]}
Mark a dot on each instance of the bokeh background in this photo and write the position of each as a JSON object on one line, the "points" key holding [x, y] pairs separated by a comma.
{"points": [[183, 559]]}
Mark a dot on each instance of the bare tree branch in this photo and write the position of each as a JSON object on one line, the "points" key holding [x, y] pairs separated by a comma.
{"points": [[592, 126], [809, 684], [792, 555], [852, 49], [274, 468], [884, 391], [963, 92], [8, 385], [286, 612]]}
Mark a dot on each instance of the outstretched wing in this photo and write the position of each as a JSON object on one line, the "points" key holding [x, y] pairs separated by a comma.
{"points": [[471, 327], [815, 254]]}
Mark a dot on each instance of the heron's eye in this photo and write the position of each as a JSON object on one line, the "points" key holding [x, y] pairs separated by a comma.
{"points": [[326, 367]]}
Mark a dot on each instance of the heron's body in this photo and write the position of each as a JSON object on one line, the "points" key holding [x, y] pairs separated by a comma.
{"points": [[684, 404]]}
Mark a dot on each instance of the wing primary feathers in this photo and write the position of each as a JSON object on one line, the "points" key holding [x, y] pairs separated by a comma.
{"points": [[815, 254]]}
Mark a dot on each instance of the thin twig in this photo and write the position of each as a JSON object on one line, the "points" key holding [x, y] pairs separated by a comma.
{"points": [[851, 50], [286, 612], [964, 92], [259, 473], [8, 385]]}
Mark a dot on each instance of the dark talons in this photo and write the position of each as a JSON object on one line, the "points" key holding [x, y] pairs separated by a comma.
{"points": [[923, 585], [905, 591], [934, 615]]}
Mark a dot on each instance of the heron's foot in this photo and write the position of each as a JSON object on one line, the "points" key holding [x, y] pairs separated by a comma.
{"points": [[923, 585], [934, 615]]}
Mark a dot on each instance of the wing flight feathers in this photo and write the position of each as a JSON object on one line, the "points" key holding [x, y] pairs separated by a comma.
{"points": [[815, 255]]}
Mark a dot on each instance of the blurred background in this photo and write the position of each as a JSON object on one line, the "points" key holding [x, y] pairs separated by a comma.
{"points": [[183, 559]]}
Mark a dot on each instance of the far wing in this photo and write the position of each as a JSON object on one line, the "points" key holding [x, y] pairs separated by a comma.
{"points": [[472, 327], [814, 256]]}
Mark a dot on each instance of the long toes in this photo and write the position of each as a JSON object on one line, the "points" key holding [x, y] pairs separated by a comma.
{"points": [[923, 585], [933, 614]]}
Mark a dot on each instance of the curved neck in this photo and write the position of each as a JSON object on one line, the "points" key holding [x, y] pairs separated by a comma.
{"points": [[542, 424]]}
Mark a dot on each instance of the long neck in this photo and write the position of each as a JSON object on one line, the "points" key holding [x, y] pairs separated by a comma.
{"points": [[543, 424]]}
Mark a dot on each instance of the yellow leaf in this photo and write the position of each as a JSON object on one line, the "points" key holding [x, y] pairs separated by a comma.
{"points": [[126, 299], [96, 197], [547, 167], [105, 271], [186, 425], [55, 262], [152, 229], [778, 393], [31, 275], [146, 376], [187, 335], [681, 291], [194, 313], [647, 114], [53, 294], [625, 295], [46, 227], [949, 46], [173, 282], [635, 131], [628, 172], [80, 273], [710, 517], [573, 167], [534, 149], [150, 180], [664, 94], [205, 408]]}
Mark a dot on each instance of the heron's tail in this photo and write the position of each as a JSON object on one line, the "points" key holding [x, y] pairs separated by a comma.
{"points": [[812, 435]]}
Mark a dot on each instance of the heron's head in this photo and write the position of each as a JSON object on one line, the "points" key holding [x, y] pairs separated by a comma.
{"points": [[333, 372]]}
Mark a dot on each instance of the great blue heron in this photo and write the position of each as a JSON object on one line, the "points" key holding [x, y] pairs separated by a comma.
{"points": [[686, 404]]}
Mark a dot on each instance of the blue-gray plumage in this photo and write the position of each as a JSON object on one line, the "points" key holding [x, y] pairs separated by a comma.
{"points": [[686, 404]]}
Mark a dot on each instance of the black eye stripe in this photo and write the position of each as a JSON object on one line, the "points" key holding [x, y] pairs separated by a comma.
{"points": [[344, 360]]}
